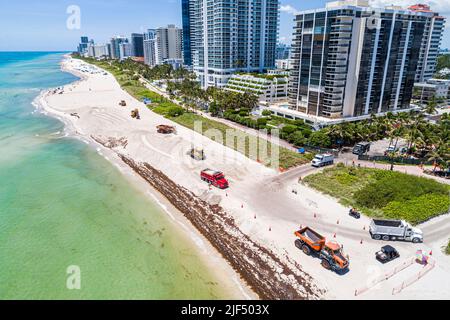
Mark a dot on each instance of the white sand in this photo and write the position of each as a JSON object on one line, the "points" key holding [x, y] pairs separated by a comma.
{"points": [[262, 192]]}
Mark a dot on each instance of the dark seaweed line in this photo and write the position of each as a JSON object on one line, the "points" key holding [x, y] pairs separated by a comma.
{"points": [[250, 260]]}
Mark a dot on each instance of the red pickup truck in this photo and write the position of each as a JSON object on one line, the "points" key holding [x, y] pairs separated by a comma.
{"points": [[216, 178]]}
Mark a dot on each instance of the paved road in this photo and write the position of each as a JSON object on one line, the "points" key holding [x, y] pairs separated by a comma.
{"points": [[271, 199]]}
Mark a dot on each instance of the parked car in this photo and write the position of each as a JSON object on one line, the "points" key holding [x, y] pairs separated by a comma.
{"points": [[361, 148], [391, 149], [386, 254]]}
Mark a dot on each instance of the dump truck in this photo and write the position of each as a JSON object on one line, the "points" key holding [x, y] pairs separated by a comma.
{"points": [[215, 178], [163, 129], [394, 230], [331, 253], [322, 160]]}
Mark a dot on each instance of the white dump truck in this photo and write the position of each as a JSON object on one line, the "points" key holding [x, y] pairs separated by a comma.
{"points": [[394, 230], [322, 160]]}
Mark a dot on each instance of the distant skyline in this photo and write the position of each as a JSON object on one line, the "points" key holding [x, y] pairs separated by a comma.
{"points": [[41, 25]]}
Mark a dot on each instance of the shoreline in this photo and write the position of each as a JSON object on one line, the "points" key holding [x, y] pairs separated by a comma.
{"points": [[174, 217], [259, 200], [269, 276]]}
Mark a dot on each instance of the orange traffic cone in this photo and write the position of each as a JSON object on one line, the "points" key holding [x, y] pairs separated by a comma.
{"points": [[431, 252]]}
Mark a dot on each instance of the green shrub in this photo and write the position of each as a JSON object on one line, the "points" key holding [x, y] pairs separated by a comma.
{"points": [[418, 209], [383, 193], [262, 122], [288, 129], [297, 138], [395, 186], [175, 111], [447, 250], [266, 113], [319, 139], [244, 113]]}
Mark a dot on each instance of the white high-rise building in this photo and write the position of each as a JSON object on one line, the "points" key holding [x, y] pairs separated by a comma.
{"points": [[170, 41], [228, 36], [98, 50], [125, 51], [151, 55]]}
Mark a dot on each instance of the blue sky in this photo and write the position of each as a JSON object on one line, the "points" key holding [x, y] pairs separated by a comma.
{"points": [[41, 25]]}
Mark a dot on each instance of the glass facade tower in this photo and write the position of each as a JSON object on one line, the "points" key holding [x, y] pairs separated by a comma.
{"points": [[187, 53], [351, 60]]}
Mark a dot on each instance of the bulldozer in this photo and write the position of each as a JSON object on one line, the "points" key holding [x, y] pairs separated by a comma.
{"points": [[197, 154], [135, 114], [164, 129]]}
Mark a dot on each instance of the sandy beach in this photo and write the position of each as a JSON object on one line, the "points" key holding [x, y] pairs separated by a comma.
{"points": [[245, 232]]}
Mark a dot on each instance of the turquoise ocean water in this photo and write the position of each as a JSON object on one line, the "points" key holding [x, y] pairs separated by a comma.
{"points": [[62, 204]]}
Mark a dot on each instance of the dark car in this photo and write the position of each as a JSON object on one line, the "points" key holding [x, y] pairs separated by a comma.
{"points": [[386, 254], [361, 148]]}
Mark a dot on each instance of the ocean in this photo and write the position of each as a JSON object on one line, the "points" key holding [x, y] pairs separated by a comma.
{"points": [[64, 208]]}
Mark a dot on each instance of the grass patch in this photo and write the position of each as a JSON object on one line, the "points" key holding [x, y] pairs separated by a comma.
{"points": [[163, 106], [384, 194], [287, 158], [447, 250]]}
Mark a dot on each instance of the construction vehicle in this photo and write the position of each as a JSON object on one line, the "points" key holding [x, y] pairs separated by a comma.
{"points": [[123, 103], [394, 230], [361, 148], [163, 129], [135, 114], [215, 178], [322, 160], [197, 154], [354, 213], [331, 254]]}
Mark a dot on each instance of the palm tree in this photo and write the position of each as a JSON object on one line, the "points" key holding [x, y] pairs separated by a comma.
{"points": [[437, 156], [337, 132], [431, 105]]}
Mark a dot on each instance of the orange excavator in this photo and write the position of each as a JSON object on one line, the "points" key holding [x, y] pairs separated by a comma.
{"points": [[331, 253]]}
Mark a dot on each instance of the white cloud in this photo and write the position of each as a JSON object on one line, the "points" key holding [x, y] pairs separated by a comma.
{"points": [[289, 9]]}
